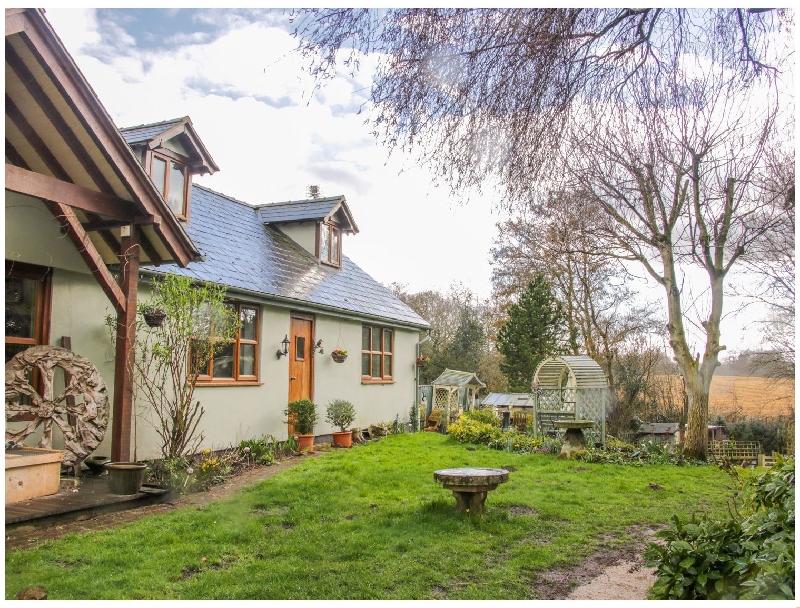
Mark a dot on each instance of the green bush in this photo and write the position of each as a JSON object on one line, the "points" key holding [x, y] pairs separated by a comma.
{"points": [[770, 433], [648, 452], [750, 556], [302, 415], [340, 413], [486, 416], [468, 430]]}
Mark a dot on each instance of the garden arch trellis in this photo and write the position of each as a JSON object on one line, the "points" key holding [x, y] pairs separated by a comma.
{"points": [[570, 387]]}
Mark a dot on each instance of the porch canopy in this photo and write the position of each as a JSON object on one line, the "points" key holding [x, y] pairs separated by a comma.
{"points": [[570, 387], [64, 153]]}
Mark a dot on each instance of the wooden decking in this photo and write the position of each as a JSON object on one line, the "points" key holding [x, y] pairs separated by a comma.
{"points": [[89, 498]]}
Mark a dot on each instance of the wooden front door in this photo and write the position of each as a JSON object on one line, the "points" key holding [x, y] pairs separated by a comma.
{"points": [[300, 359]]}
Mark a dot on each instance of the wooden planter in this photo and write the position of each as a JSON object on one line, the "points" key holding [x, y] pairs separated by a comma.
{"points": [[343, 439], [31, 473]]}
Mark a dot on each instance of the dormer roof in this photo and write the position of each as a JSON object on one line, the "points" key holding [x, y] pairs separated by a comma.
{"points": [[332, 208], [155, 135]]}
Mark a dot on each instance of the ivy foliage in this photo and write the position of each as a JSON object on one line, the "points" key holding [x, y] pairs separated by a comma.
{"points": [[750, 556]]}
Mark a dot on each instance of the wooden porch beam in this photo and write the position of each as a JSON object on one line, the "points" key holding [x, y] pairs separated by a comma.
{"points": [[66, 193], [122, 413], [69, 221]]}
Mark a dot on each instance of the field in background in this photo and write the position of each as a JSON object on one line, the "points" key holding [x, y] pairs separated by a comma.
{"points": [[750, 397], [736, 397]]}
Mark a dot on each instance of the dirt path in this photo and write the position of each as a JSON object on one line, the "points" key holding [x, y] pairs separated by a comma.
{"points": [[617, 574]]}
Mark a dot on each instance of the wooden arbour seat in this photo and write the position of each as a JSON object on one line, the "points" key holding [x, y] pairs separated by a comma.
{"points": [[546, 421], [432, 424]]}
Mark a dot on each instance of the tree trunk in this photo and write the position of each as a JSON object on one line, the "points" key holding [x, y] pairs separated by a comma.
{"points": [[696, 444]]}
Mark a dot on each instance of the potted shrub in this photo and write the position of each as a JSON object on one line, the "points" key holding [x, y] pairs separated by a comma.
{"points": [[339, 355], [341, 413], [302, 415]]}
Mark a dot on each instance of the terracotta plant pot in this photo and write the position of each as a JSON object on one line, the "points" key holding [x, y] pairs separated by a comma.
{"points": [[125, 477], [305, 443], [343, 439]]}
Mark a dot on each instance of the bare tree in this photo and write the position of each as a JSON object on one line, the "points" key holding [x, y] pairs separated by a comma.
{"points": [[477, 92], [659, 115], [558, 239], [772, 263], [674, 171]]}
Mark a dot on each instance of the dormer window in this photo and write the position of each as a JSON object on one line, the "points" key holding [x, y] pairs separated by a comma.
{"points": [[171, 152], [330, 244], [172, 180]]}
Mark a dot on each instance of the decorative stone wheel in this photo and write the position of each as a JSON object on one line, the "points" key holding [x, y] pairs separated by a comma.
{"points": [[80, 411]]}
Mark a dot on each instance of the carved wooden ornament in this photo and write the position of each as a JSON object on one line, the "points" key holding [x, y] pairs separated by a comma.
{"points": [[80, 410]]}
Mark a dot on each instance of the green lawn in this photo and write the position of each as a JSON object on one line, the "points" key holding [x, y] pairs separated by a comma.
{"points": [[370, 523]]}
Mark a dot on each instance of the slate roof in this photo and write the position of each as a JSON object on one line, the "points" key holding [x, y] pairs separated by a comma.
{"points": [[242, 253], [311, 209], [144, 133]]}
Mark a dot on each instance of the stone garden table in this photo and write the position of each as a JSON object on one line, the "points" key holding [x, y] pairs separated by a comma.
{"points": [[574, 440], [470, 485]]}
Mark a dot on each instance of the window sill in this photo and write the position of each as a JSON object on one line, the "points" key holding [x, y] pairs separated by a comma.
{"points": [[202, 383], [375, 381]]}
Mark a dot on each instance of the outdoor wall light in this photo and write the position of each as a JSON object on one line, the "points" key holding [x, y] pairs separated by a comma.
{"points": [[282, 353]]}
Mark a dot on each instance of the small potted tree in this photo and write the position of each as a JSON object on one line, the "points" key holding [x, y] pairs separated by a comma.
{"points": [[302, 415], [341, 413]]}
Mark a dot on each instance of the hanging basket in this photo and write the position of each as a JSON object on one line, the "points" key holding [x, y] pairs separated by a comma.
{"points": [[154, 317], [422, 362], [338, 357]]}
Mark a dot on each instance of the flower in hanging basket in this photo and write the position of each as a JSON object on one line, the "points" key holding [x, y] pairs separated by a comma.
{"points": [[339, 355], [423, 360]]}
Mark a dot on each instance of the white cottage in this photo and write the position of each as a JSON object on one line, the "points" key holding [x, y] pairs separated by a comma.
{"points": [[126, 201]]}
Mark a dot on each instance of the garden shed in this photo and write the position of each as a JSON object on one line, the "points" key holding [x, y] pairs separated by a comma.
{"points": [[447, 388], [570, 387]]}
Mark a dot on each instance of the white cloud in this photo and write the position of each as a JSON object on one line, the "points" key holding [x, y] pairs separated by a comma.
{"points": [[253, 106]]}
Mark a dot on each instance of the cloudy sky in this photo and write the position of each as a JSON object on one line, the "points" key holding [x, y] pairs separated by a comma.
{"points": [[235, 74]]}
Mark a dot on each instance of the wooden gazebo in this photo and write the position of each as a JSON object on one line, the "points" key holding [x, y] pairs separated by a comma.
{"points": [[570, 387], [447, 388]]}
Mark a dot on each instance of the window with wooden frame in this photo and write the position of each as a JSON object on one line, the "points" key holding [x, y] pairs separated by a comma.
{"points": [[28, 297], [237, 361], [377, 354], [172, 178], [330, 244]]}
